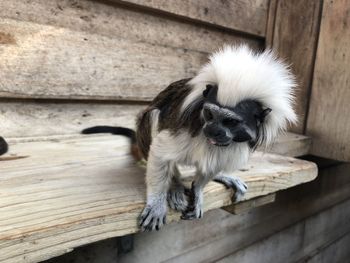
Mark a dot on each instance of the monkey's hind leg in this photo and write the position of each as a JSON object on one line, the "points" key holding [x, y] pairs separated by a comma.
{"points": [[195, 209], [178, 194], [238, 185]]}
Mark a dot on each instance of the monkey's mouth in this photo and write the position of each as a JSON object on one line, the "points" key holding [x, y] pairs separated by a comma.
{"points": [[213, 142]]}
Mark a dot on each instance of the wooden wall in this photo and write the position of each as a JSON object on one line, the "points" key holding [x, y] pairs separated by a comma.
{"points": [[329, 119], [70, 64], [293, 34]]}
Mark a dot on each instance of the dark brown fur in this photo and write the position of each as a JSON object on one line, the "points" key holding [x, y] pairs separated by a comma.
{"points": [[169, 103], [3, 146]]}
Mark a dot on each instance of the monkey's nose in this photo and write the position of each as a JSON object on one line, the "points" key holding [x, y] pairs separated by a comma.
{"points": [[215, 133]]}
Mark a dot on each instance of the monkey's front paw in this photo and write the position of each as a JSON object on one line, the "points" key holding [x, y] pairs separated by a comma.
{"points": [[153, 216], [193, 213], [234, 182], [177, 199]]}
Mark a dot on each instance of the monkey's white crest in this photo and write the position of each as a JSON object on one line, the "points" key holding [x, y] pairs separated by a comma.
{"points": [[242, 74]]}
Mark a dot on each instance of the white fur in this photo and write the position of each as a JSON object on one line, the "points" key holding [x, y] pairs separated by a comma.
{"points": [[154, 121], [209, 159], [242, 74]]}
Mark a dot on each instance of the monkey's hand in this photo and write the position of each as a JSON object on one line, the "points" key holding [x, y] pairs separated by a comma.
{"points": [[153, 216], [234, 182]]}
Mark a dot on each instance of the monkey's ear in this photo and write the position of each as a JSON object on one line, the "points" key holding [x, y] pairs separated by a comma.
{"points": [[263, 114], [207, 89], [210, 92]]}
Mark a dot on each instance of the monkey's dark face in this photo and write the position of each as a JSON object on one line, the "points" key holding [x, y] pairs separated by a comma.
{"points": [[224, 125]]}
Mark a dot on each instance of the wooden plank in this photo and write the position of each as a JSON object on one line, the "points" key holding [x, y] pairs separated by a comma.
{"points": [[294, 38], [245, 16], [97, 58], [87, 66], [110, 20], [71, 192], [328, 121], [289, 245], [244, 207], [271, 18], [291, 144], [38, 119], [219, 233], [337, 251]]}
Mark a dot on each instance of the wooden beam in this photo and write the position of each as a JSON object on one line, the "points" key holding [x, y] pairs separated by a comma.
{"points": [[42, 119], [110, 20], [297, 242], [293, 34], [328, 120], [219, 233], [45, 119], [97, 59], [246, 206], [71, 192], [245, 16], [291, 144], [86, 66]]}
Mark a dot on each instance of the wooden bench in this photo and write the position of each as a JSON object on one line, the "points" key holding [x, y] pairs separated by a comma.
{"points": [[58, 193], [67, 65]]}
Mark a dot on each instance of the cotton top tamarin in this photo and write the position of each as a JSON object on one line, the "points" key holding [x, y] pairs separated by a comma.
{"points": [[240, 99]]}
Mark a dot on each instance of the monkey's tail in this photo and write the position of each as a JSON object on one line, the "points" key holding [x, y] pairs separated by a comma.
{"points": [[3, 146], [131, 134]]}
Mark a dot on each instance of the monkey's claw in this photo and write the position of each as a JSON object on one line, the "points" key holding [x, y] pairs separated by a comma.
{"points": [[153, 217], [234, 182]]}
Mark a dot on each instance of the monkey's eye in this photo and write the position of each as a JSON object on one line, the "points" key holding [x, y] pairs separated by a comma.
{"points": [[230, 122], [207, 114]]}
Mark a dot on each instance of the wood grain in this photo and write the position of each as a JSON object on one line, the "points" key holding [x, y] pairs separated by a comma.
{"points": [[97, 59], [328, 120], [116, 21], [244, 207], [39, 119], [97, 193], [87, 66], [336, 251], [291, 144], [294, 243], [245, 16], [219, 233], [294, 38], [44, 119]]}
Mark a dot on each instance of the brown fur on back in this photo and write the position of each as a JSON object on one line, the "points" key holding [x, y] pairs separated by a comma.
{"points": [[169, 103]]}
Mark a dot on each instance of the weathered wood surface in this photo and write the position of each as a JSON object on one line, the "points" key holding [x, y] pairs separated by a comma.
{"points": [[293, 35], [42, 119], [245, 16], [291, 144], [96, 57], [38, 119], [86, 66], [271, 18], [66, 193], [299, 241], [328, 121], [244, 207], [219, 233], [113, 21], [337, 251]]}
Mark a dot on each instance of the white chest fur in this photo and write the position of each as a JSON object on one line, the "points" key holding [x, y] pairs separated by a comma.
{"points": [[209, 159]]}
